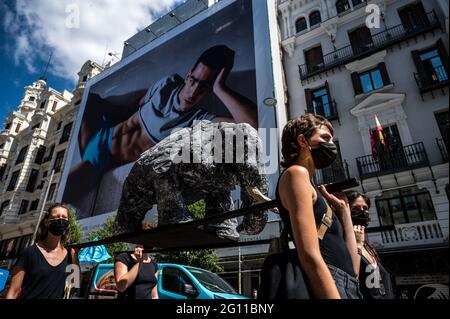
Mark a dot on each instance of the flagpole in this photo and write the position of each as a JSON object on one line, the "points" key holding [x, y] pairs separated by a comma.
{"points": [[42, 208]]}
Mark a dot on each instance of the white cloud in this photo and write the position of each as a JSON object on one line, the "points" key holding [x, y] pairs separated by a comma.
{"points": [[40, 26]]}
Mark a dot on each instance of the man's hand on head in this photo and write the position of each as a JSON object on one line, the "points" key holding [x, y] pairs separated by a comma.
{"points": [[220, 83]]}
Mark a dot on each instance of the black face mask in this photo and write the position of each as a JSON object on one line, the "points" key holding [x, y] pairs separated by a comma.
{"points": [[58, 227], [323, 154], [361, 218]]}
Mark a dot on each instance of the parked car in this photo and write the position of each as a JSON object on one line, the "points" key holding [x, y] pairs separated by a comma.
{"points": [[174, 282]]}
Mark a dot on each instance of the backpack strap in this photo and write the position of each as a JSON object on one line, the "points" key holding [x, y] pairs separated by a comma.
{"points": [[327, 221]]}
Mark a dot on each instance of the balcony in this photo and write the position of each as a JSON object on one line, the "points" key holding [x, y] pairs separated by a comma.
{"points": [[412, 234], [40, 133], [332, 174], [442, 149], [4, 154], [380, 41], [392, 161], [431, 80]]}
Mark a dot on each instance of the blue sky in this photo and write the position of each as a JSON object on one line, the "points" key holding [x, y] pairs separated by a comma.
{"points": [[74, 30]]}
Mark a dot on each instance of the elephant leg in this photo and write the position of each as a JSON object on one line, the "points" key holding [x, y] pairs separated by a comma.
{"points": [[171, 206], [251, 194], [220, 202], [137, 199]]}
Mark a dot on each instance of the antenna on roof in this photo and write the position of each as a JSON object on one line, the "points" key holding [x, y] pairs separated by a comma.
{"points": [[42, 77]]}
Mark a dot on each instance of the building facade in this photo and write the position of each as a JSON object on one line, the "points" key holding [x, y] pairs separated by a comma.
{"points": [[350, 62], [33, 145]]}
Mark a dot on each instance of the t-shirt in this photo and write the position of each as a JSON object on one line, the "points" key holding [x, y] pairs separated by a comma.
{"points": [[161, 113], [145, 281], [42, 280]]}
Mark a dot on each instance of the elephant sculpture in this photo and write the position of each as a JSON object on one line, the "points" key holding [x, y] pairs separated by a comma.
{"points": [[203, 162]]}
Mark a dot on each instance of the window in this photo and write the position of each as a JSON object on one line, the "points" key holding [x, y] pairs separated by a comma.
{"points": [[58, 127], [413, 17], [406, 205], [34, 205], [23, 207], [7, 126], [42, 104], [314, 59], [40, 154], [319, 101], [44, 175], [36, 126], [51, 192], [66, 133], [391, 154], [22, 155], [85, 78], [18, 127], [4, 206], [2, 146], [174, 281], [2, 172], [443, 123], [32, 181], [13, 181], [432, 65], [31, 99], [357, 2], [300, 25], [342, 6], [314, 18], [371, 80], [360, 40], [50, 153], [55, 104], [58, 161]]}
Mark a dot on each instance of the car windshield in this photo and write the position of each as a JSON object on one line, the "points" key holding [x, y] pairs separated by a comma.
{"points": [[212, 281]]}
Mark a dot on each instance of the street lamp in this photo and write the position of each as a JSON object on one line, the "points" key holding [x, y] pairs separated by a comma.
{"points": [[148, 30], [127, 44], [173, 15]]}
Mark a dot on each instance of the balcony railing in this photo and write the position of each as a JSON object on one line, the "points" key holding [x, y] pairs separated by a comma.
{"points": [[442, 149], [380, 41], [332, 174], [412, 234], [431, 79], [329, 111], [391, 161]]}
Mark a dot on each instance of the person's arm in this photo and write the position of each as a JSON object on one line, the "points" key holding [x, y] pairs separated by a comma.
{"points": [[297, 196], [125, 278], [155, 289], [340, 203], [241, 109], [16, 283]]}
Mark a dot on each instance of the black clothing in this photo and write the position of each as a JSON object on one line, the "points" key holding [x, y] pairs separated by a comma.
{"points": [[374, 286], [145, 281], [332, 247], [42, 280]]}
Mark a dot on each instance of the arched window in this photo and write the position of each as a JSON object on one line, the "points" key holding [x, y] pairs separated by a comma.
{"points": [[342, 6], [300, 25], [315, 18]]}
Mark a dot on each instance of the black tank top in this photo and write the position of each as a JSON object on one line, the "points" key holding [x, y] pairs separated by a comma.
{"points": [[383, 290], [332, 247]]}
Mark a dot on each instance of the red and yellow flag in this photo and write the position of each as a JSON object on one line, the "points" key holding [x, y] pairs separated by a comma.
{"points": [[379, 130]]}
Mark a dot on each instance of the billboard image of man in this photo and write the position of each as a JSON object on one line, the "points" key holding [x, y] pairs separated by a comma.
{"points": [[171, 103]]}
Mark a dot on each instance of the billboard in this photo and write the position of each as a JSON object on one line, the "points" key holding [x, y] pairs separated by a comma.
{"points": [[215, 67]]}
